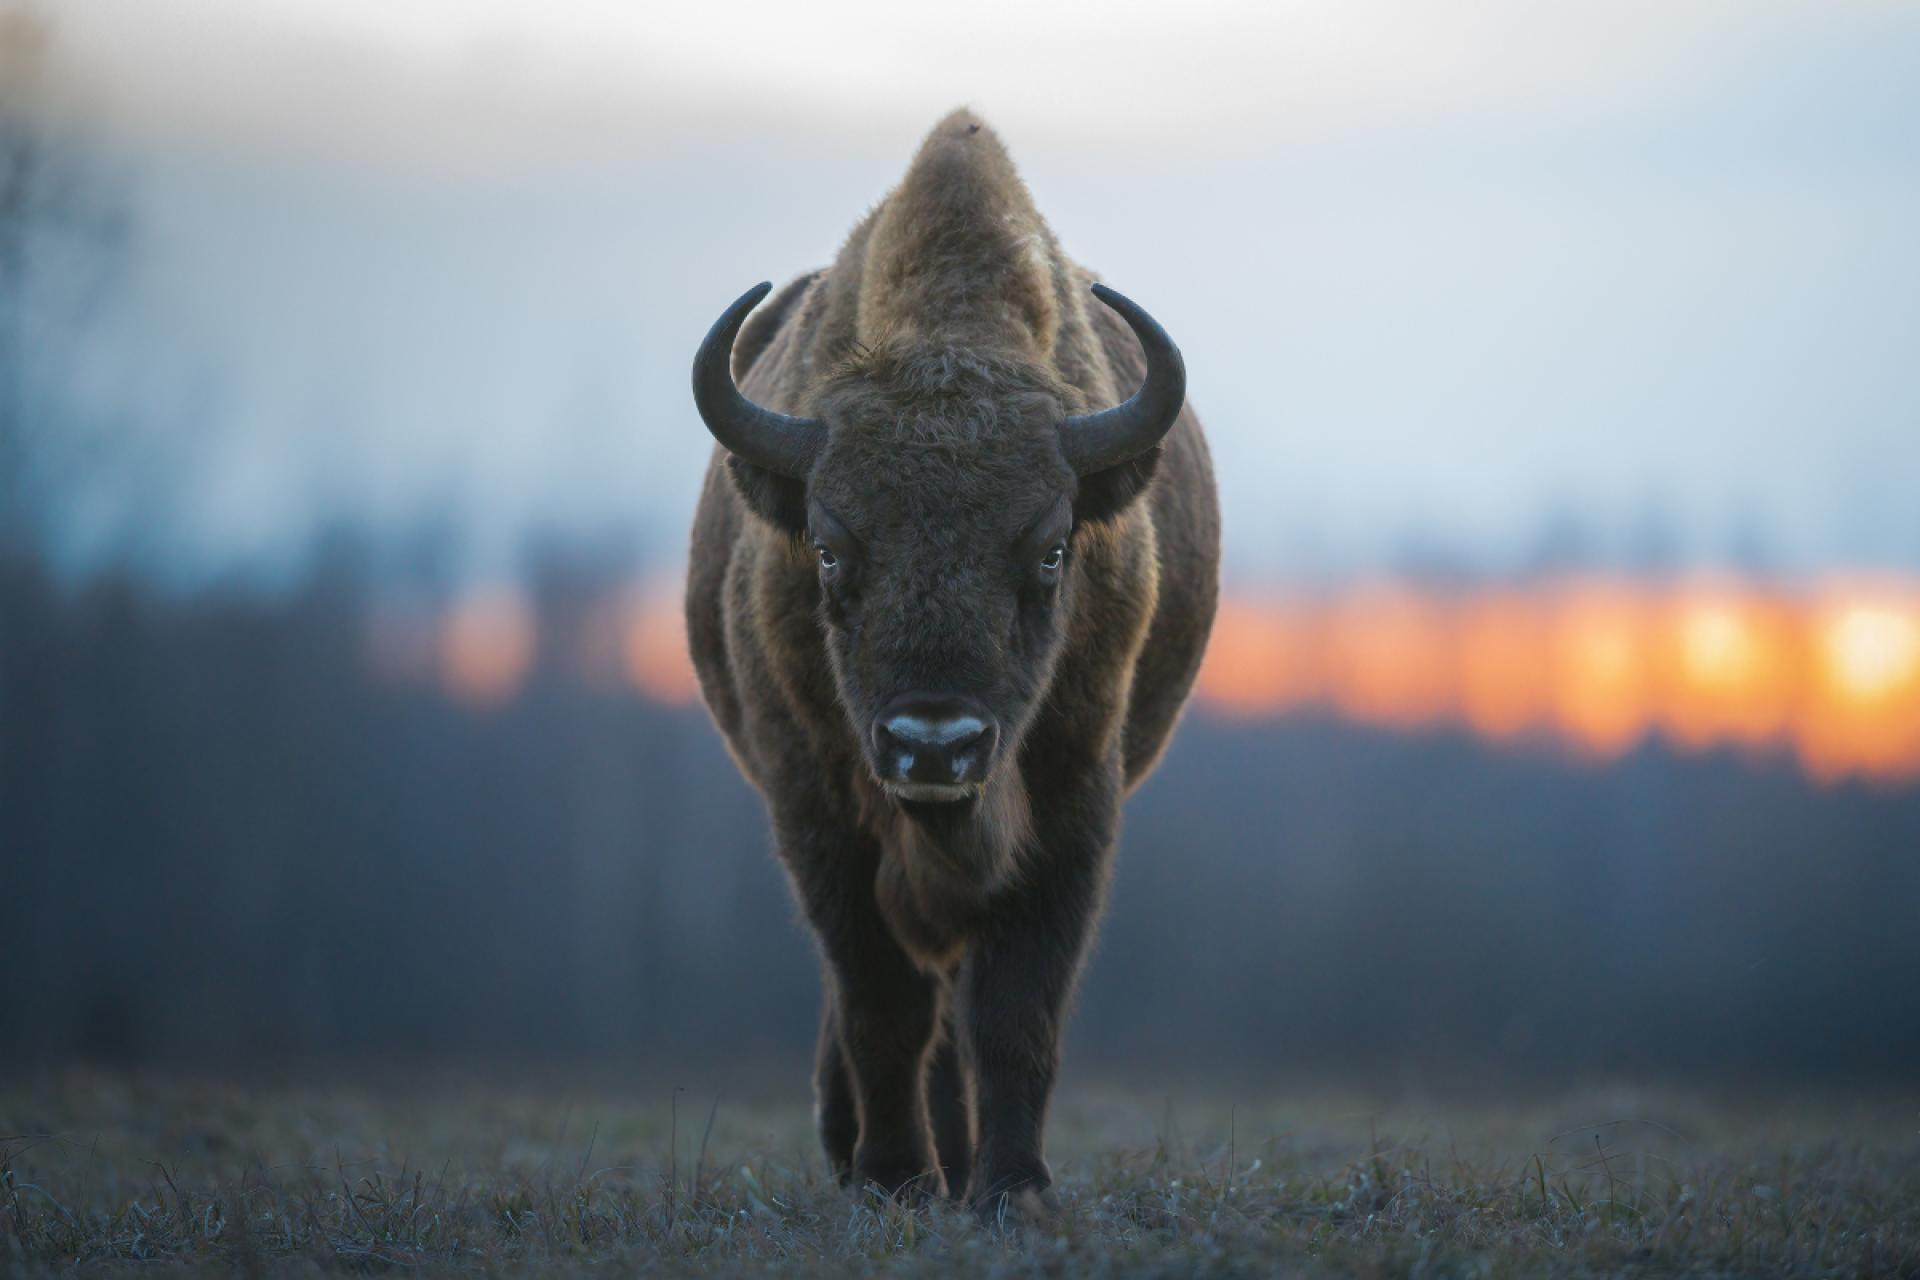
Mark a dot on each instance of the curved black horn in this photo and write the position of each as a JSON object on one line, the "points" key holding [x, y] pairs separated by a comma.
{"points": [[1096, 441], [777, 441]]}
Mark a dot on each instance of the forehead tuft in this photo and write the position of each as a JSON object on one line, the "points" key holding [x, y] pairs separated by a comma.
{"points": [[934, 428]]}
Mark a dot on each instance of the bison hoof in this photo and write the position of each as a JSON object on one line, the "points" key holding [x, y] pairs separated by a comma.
{"points": [[1014, 1194], [899, 1178]]}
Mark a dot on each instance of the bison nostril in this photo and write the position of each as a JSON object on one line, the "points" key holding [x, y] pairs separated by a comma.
{"points": [[920, 732], [933, 743]]}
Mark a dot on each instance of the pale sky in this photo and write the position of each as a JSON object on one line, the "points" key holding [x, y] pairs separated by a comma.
{"points": [[505, 80], [1447, 275]]}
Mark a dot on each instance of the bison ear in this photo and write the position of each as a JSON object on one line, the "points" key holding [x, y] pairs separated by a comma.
{"points": [[1105, 494], [779, 500]]}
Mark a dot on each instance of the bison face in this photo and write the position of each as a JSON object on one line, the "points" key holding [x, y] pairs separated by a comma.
{"points": [[936, 489], [938, 519]]}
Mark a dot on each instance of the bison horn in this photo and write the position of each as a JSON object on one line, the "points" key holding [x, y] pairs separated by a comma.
{"points": [[1096, 441], [776, 441]]}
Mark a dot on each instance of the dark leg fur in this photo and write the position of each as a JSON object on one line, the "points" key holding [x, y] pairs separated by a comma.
{"points": [[1014, 992], [952, 1112], [833, 1097], [884, 1015]]}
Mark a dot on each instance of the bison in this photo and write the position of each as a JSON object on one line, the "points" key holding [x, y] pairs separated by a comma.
{"points": [[949, 587]]}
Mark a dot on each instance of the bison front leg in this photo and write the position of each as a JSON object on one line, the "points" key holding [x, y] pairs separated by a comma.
{"points": [[951, 1110], [887, 1012], [1015, 989], [880, 1021], [833, 1106]]}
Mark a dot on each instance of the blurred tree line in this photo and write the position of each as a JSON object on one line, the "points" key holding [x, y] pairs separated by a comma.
{"points": [[226, 838], [226, 843]]}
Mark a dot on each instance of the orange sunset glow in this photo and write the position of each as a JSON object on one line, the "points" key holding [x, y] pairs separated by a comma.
{"points": [[486, 645], [1830, 673]]}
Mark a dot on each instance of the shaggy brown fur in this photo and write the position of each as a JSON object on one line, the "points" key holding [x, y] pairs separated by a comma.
{"points": [[943, 348]]}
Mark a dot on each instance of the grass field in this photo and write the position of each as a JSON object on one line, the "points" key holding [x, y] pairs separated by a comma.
{"points": [[102, 1171]]}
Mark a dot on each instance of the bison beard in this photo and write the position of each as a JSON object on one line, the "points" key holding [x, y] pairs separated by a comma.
{"points": [[946, 604]]}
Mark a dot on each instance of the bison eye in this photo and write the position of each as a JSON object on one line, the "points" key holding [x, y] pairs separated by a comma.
{"points": [[828, 561], [1050, 563]]}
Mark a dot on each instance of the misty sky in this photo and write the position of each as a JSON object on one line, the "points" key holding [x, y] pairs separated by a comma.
{"points": [[1456, 282]]}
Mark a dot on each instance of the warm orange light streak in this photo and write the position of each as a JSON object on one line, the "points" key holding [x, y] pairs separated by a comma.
{"points": [[1388, 657], [1504, 680], [1831, 672], [1728, 661], [1264, 658], [656, 646], [486, 645], [1860, 711], [638, 639], [1599, 663]]}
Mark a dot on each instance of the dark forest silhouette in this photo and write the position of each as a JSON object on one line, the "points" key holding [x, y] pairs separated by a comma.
{"points": [[228, 843]]}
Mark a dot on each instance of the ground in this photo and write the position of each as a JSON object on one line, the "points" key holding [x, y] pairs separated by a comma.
{"points": [[100, 1171]]}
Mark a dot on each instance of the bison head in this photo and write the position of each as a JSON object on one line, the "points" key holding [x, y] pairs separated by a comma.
{"points": [[938, 491]]}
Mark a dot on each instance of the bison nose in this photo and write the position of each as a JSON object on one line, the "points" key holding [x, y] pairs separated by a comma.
{"points": [[940, 741]]}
